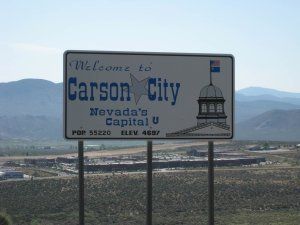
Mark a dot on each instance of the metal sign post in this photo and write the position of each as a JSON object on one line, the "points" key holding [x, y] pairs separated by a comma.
{"points": [[149, 183], [211, 183], [81, 182]]}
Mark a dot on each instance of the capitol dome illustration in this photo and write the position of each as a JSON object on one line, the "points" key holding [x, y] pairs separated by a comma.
{"points": [[211, 111], [211, 105]]}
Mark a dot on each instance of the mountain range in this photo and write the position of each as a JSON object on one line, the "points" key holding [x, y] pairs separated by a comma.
{"points": [[32, 109]]}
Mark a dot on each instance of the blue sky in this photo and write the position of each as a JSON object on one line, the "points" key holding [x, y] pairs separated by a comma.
{"points": [[264, 36]]}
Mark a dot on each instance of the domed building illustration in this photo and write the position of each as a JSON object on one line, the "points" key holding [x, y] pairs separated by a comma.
{"points": [[211, 105], [211, 111]]}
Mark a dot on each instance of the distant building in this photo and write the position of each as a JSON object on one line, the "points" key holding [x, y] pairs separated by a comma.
{"points": [[94, 147], [40, 162], [255, 148], [10, 164], [11, 174], [260, 148], [195, 152], [165, 164], [68, 160]]}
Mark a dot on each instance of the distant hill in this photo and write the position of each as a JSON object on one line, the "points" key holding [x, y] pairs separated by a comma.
{"points": [[278, 125], [248, 109], [256, 91], [250, 98], [31, 97], [252, 101], [32, 109]]}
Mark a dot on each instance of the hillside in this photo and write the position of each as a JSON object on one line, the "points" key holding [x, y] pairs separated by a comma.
{"points": [[31, 109], [264, 97], [278, 125], [248, 109], [30, 127], [31, 97]]}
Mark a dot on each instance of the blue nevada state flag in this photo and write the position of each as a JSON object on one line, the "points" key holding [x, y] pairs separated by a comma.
{"points": [[214, 66]]}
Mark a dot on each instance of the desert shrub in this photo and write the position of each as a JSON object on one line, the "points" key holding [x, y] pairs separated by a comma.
{"points": [[5, 219]]}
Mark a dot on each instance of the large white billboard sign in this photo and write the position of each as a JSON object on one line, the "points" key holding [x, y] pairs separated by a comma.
{"points": [[132, 95]]}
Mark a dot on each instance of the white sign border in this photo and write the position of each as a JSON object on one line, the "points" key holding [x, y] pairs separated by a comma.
{"points": [[150, 54]]}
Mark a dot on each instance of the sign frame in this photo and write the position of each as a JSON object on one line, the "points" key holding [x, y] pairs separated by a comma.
{"points": [[146, 54]]}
